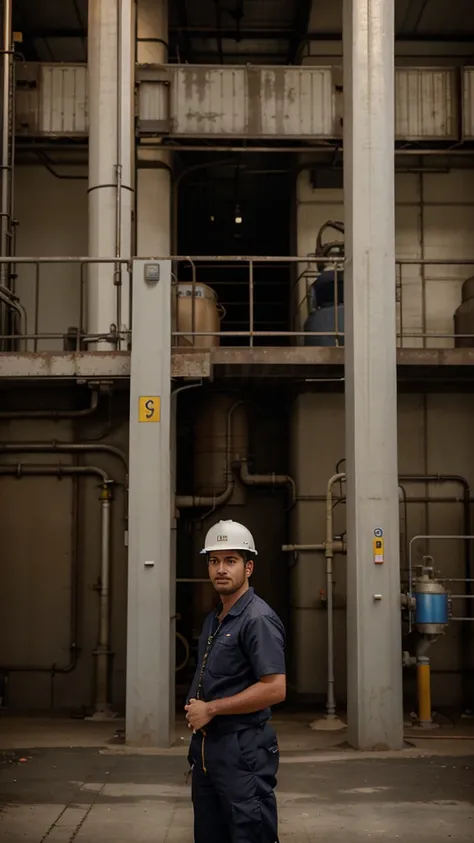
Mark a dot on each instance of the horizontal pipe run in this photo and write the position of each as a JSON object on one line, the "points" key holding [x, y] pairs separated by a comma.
{"points": [[53, 414], [21, 470], [470, 620], [337, 547], [267, 480], [63, 448]]}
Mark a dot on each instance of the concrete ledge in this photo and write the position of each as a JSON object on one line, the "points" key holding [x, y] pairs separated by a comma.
{"points": [[297, 361]]}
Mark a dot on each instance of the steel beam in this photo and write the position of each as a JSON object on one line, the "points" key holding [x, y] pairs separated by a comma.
{"points": [[374, 655], [150, 629]]}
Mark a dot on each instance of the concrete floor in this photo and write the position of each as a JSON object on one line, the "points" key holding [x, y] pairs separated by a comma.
{"points": [[85, 787]]}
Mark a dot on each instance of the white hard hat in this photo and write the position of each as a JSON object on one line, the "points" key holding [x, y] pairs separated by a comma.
{"points": [[229, 535]]}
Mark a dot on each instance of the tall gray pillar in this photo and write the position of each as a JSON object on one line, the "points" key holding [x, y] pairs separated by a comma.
{"points": [[150, 666], [375, 716]]}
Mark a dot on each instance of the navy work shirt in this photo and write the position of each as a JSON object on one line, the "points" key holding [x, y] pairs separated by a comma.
{"points": [[249, 645]]}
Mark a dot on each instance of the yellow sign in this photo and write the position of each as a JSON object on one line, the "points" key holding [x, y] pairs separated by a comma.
{"points": [[149, 408], [378, 545]]}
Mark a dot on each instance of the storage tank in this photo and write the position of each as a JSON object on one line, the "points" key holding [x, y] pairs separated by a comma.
{"points": [[432, 613], [325, 320], [207, 314], [324, 313], [464, 316]]}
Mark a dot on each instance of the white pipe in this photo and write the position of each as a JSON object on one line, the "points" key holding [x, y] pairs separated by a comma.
{"points": [[155, 164], [111, 143]]}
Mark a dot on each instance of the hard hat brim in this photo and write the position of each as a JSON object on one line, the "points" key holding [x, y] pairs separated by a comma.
{"points": [[213, 548]]}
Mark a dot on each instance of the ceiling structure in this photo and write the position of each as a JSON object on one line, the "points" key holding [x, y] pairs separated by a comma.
{"points": [[236, 31]]}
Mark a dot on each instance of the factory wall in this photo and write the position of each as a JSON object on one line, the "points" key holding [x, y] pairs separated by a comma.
{"points": [[37, 550], [434, 437], [52, 221], [434, 219]]}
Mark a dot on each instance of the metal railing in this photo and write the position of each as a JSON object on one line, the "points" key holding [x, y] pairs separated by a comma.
{"points": [[250, 300]]}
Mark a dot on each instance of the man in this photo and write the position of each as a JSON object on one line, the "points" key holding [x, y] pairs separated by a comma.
{"points": [[234, 752]]}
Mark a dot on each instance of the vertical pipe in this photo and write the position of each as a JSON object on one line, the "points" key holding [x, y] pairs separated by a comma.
{"points": [[103, 644], [424, 691], [5, 210], [329, 553], [6, 115], [111, 187]]}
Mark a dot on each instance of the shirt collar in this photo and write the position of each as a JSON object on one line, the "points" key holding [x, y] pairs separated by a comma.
{"points": [[241, 604]]}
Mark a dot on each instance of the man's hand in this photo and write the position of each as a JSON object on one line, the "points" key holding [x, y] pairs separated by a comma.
{"points": [[197, 714]]}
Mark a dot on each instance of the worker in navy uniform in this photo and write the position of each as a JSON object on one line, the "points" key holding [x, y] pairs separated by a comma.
{"points": [[234, 752]]}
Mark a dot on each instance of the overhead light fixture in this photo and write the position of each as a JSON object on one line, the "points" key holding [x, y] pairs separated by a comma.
{"points": [[238, 216]]}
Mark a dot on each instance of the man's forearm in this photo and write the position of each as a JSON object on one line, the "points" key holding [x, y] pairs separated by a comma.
{"points": [[257, 697]]}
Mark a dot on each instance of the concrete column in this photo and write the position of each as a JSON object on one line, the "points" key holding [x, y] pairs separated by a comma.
{"points": [[154, 165], [150, 641], [111, 144], [373, 581]]}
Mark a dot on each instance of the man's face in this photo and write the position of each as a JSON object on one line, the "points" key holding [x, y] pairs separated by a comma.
{"points": [[228, 571]]}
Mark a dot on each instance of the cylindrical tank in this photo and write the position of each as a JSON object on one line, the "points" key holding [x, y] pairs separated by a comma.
{"points": [[210, 446], [206, 314], [324, 288], [432, 614], [464, 316], [324, 319]]}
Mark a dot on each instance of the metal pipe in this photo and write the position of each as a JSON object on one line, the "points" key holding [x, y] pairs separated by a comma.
{"points": [[20, 470], [118, 175], [53, 414], [214, 501], [329, 554], [424, 692], [70, 448], [62, 447], [103, 651], [5, 220], [267, 480]]}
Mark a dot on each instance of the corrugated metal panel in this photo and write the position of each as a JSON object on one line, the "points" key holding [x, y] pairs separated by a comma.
{"points": [[468, 103], [296, 102], [63, 99], [426, 107], [208, 101], [252, 102], [51, 99]]}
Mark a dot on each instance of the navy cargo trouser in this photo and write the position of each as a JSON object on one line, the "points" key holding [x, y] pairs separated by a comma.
{"points": [[233, 781]]}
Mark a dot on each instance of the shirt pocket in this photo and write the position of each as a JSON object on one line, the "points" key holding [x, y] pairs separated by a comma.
{"points": [[226, 657]]}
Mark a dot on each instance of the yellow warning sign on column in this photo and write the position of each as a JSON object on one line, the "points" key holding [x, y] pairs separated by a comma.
{"points": [[149, 408]]}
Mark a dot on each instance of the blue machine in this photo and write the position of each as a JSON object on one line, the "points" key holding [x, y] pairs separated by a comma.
{"points": [[325, 320], [432, 607], [326, 297]]}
